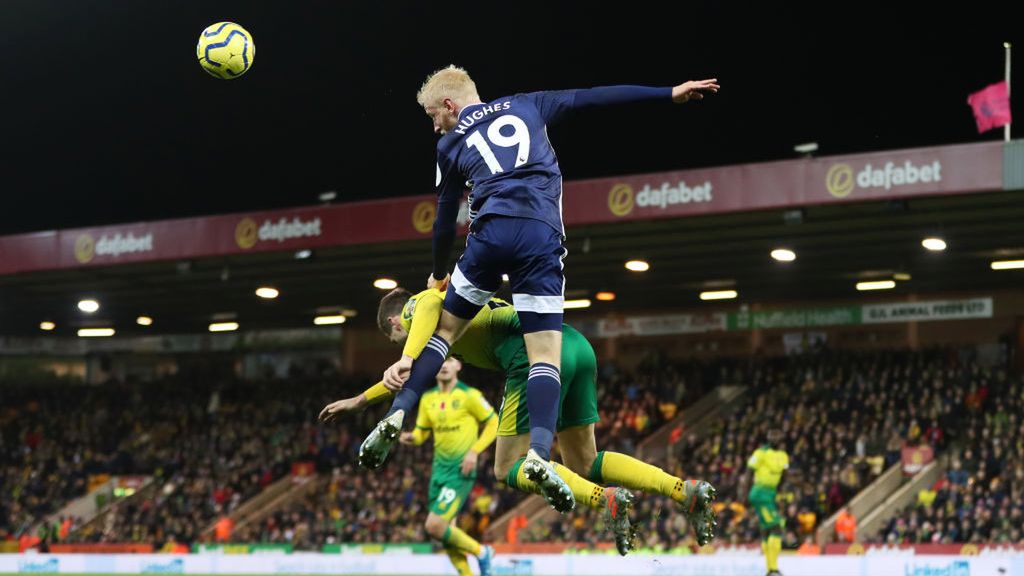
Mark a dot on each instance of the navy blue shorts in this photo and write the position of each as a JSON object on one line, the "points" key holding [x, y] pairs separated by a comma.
{"points": [[530, 252]]}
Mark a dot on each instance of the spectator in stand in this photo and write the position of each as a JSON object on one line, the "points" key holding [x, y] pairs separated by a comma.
{"points": [[223, 528], [846, 526]]}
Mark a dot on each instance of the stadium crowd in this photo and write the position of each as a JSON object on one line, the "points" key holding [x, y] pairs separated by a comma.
{"points": [[207, 451], [980, 498], [845, 418]]}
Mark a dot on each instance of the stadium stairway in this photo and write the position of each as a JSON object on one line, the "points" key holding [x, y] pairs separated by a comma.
{"points": [[900, 499], [101, 520], [97, 501], [864, 502], [721, 402], [272, 498], [882, 499]]}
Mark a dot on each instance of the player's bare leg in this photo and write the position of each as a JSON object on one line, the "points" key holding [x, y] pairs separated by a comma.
{"points": [[694, 498], [451, 327], [544, 346]]}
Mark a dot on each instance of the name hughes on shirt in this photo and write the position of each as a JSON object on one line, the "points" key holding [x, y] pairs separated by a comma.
{"points": [[478, 114]]}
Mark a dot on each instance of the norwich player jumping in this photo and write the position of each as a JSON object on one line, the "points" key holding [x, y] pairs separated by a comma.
{"points": [[494, 341]]}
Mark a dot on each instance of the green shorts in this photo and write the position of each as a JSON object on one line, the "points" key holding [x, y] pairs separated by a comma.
{"points": [[578, 402], [762, 500], [449, 489]]}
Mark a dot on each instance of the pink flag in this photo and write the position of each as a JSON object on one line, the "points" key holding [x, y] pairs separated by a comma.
{"points": [[991, 106]]}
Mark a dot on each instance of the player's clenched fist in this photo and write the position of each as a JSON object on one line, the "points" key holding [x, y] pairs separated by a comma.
{"points": [[396, 375]]}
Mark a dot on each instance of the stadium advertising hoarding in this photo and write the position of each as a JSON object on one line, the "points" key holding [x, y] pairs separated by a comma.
{"points": [[516, 565], [855, 178], [932, 310], [270, 339], [960, 169]]}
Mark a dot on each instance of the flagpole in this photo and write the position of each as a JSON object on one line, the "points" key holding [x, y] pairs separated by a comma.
{"points": [[1006, 128]]}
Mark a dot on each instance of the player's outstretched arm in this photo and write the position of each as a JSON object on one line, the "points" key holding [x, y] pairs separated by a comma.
{"points": [[613, 95], [342, 407], [694, 90], [372, 395]]}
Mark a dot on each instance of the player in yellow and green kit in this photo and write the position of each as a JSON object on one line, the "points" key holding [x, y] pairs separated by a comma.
{"points": [[453, 412], [768, 463], [494, 341]]}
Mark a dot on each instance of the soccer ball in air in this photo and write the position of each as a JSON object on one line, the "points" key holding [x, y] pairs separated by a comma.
{"points": [[225, 50]]}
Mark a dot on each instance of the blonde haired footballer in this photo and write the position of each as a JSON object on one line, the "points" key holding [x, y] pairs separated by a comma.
{"points": [[494, 341], [500, 150]]}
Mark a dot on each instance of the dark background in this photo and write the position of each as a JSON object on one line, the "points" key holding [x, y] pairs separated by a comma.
{"points": [[108, 118]]}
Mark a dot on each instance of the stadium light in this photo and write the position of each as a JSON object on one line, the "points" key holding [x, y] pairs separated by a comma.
{"points": [[783, 255], [385, 284], [223, 326], [901, 276], [876, 285], [605, 296], [303, 254], [144, 321], [95, 332], [328, 320], [719, 295], [1007, 264], [637, 266], [88, 306], [267, 292], [504, 277], [47, 326], [934, 244], [579, 303], [806, 148]]}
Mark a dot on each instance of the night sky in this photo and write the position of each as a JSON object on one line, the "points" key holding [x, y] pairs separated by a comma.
{"points": [[108, 118]]}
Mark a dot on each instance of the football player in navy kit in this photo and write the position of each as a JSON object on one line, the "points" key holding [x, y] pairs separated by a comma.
{"points": [[500, 150]]}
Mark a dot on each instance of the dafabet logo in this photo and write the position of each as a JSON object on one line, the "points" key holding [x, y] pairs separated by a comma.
{"points": [[841, 182], [423, 216], [247, 234], [621, 199], [87, 248]]}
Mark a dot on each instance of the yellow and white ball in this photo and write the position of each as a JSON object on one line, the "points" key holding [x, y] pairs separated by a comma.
{"points": [[225, 50]]}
